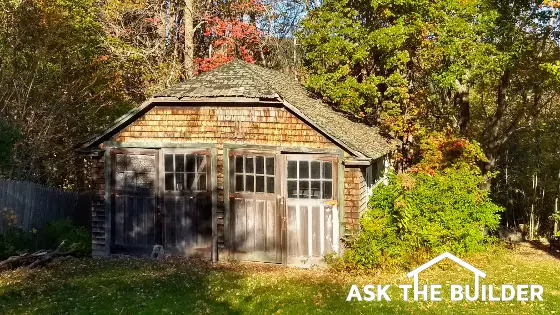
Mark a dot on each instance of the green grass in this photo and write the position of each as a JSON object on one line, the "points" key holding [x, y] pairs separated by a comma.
{"points": [[136, 286]]}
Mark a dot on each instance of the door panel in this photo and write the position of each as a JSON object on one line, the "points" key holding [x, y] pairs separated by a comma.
{"points": [[311, 222], [187, 201], [310, 230], [188, 224], [256, 215], [256, 233], [134, 198]]}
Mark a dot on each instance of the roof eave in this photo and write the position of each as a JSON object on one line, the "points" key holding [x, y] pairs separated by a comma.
{"points": [[322, 130], [358, 162], [97, 139]]}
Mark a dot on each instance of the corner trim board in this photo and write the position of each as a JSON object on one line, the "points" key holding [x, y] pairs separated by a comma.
{"points": [[108, 177], [227, 215], [214, 183], [340, 179]]}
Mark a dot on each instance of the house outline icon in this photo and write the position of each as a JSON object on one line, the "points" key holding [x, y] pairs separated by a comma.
{"points": [[477, 273]]}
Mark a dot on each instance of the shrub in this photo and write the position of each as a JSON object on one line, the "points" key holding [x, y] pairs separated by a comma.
{"points": [[15, 240], [78, 238], [419, 214]]}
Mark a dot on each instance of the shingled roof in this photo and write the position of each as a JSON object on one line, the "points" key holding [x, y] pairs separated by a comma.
{"points": [[241, 79]]}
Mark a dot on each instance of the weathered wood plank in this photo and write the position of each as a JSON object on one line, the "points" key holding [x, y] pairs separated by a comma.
{"points": [[260, 225], [316, 231], [292, 231], [120, 206], [328, 222], [250, 232], [34, 205], [239, 224], [303, 232], [271, 241]]}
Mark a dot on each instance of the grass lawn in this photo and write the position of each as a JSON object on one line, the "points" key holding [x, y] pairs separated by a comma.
{"points": [[137, 286]]}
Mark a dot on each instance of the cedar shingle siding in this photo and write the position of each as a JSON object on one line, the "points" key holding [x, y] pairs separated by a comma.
{"points": [[354, 196], [98, 206]]}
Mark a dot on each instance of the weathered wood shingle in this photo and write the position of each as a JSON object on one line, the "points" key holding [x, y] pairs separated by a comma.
{"points": [[232, 79], [241, 79]]}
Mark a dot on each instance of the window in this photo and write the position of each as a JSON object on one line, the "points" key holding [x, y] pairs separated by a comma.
{"points": [[185, 172], [254, 174], [135, 172], [375, 173], [310, 179]]}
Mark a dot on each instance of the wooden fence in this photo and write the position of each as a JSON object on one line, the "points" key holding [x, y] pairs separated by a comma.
{"points": [[34, 205]]}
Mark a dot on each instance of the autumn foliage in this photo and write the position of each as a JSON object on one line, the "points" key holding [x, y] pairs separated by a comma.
{"points": [[233, 36], [441, 150]]}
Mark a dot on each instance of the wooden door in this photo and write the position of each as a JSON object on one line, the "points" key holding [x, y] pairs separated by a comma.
{"points": [[187, 201], [312, 215], [255, 207], [134, 199]]}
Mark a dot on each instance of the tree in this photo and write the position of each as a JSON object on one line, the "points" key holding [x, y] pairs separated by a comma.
{"points": [[483, 68], [520, 83], [530, 169], [56, 84], [70, 68], [188, 21], [233, 33]]}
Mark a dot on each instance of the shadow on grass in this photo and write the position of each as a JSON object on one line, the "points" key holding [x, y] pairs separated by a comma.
{"points": [[550, 250], [116, 286], [141, 286]]}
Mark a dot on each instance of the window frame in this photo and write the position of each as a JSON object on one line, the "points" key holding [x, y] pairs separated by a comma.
{"points": [[126, 190], [184, 153], [254, 155], [311, 158]]}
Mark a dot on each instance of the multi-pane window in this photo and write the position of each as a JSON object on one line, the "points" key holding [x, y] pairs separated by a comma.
{"points": [[185, 172], [310, 179], [135, 172], [254, 174]]}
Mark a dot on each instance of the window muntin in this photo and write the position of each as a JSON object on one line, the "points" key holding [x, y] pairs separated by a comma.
{"points": [[254, 173], [135, 172], [185, 172], [310, 179]]}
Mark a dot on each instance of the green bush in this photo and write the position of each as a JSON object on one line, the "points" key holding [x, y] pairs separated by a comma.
{"points": [[77, 238], [15, 240], [418, 215]]}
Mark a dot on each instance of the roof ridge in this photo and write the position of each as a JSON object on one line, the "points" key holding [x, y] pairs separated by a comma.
{"points": [[263, 79]]}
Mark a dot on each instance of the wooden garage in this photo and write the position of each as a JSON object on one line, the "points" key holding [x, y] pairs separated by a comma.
{"points": [[238, 163]]}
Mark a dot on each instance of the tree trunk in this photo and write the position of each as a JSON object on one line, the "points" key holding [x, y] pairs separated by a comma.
{"points": [[462, 102], [491, 139], [188, 20]]}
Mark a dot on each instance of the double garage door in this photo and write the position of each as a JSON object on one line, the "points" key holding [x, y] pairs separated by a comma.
{"points": [[282, 207], [162, 197]]}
